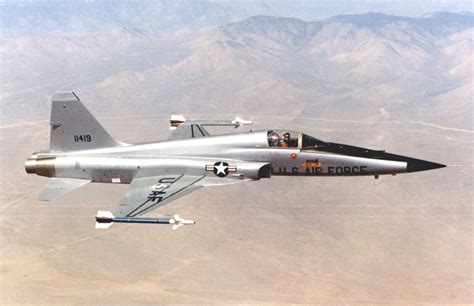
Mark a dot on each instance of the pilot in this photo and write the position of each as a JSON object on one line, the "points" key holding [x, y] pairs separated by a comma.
{"points": [[285, 142], [274, 139]]}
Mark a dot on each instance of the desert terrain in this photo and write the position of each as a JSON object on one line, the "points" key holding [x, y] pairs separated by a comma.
{"points": [[401, 239]]}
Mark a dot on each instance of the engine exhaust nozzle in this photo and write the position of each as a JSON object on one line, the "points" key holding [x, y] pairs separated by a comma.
{"points": [[40, 166], [30, 166]]}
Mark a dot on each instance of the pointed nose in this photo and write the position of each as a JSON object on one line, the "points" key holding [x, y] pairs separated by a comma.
{"points": [[414, 165]]}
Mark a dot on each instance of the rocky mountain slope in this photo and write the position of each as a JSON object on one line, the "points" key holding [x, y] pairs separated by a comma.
{"points": [[369, 66]]}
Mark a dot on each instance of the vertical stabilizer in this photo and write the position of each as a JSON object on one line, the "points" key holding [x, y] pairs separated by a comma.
{"points": [[73, 127]]}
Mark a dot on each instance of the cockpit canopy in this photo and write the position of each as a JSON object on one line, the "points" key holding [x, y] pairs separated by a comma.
{"points": [[293, 139]]}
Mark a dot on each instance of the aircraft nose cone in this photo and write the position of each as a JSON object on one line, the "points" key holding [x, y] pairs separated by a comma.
{"points": [[422, 165]]}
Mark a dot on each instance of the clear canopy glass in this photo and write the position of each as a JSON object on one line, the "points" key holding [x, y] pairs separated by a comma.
{"points": [[292, 139]]}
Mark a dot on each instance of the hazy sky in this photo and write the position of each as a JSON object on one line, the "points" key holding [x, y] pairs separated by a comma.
{"points": [[322, 9]]}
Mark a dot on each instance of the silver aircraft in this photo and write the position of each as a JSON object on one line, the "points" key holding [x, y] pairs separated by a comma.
{"points": [[81, 151]]}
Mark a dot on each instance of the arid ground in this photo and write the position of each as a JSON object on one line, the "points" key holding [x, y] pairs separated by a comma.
{"points": [[399, 239]]}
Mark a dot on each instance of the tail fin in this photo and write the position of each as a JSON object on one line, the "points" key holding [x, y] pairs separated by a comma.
{"points": [[73, 127]]}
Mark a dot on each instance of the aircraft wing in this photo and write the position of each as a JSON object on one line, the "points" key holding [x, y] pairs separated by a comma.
{"points": [[148, 193]]}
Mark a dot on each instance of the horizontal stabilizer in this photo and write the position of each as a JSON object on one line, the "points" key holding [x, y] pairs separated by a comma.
{"points": [[57, 187]]}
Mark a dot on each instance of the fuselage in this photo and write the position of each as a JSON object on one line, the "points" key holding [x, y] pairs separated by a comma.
{"points": [[251, 155], [82, 151]]}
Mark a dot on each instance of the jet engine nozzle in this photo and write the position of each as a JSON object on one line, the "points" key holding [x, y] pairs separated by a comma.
{"points": [[40, 166], [30, 166]]}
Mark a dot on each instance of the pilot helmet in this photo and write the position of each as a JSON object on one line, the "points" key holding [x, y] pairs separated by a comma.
{"points": [[274, 138]]}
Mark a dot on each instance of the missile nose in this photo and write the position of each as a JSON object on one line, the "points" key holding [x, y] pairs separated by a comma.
{"points": [[422, 165]]}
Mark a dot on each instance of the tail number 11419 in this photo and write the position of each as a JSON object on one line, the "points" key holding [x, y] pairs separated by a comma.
{"points": [[82, 138]]}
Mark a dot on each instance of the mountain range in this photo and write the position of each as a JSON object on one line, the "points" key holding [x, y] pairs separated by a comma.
{"points": [[367, 67]]}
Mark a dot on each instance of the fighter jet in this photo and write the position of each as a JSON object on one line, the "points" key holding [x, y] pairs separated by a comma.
{"points": [[82, 151]]}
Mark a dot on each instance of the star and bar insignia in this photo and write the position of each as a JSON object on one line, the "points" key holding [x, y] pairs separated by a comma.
{"points": [[221, 169]]}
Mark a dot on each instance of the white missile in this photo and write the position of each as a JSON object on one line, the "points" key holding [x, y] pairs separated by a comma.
{"points": [[105, 219], [179, 120], [239, 122]]}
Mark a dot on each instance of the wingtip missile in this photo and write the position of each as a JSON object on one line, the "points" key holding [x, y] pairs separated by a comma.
{"points": [[105, 219], [239, 122], [177, 121]]}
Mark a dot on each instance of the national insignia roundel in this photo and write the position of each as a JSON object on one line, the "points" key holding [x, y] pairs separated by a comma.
{"points": [[221, 169]]}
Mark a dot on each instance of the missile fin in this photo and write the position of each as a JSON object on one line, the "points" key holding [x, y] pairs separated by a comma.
{"points": [[105, 214], [104, 219], [99, 225]]}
